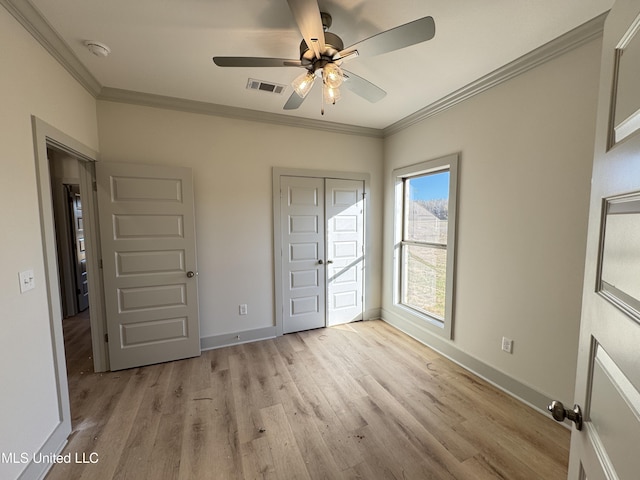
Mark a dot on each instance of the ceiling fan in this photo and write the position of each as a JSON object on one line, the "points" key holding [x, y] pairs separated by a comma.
{"points": [[322, 54]]}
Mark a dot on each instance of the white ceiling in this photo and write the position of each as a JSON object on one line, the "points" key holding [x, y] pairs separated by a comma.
{"points": [[164, 47]]}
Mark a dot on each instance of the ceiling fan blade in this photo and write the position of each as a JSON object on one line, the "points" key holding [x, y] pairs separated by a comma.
{"points": [[362, 87], [255, 62], [396, 38], [294, 102], [307, 16]]}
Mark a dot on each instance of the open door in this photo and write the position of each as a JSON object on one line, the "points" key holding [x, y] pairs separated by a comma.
{"points": [[147, 231], [606, 432]]}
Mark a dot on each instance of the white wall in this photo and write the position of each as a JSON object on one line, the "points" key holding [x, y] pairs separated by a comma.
{"points": [[526, 149], [31, 83], [232, 162]]}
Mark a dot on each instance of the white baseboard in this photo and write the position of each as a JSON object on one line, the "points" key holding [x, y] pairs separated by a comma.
{"points": [[372, 314], [246, 336], [507, 384], [53, 445], [236, 338]]}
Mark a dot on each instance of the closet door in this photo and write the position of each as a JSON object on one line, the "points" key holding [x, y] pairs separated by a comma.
{"points": [[303, 248], [322, 251], [344, 211]]}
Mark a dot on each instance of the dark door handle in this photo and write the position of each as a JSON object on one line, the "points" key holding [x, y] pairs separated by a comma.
{"points": [[559, 413]]}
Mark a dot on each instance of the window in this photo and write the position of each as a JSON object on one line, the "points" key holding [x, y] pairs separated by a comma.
{"points": [[425, 231]]}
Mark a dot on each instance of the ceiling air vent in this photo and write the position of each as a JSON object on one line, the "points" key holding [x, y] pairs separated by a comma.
{"points": [[263, 86]]}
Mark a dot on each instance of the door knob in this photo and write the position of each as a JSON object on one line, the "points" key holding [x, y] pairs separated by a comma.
{"points": [[559, 413], [329, 262], [320, 262], [191, 274]]}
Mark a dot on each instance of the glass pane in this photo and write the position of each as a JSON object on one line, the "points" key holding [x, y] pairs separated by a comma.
{"points": [[427, 208], [424, 275]]}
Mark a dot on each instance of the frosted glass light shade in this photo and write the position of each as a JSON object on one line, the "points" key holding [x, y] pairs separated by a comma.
{"points": [[332, 75], [302, 84], [331, 95]]}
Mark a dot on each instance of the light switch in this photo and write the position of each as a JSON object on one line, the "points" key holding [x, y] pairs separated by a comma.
{"points": [[27, 281]]}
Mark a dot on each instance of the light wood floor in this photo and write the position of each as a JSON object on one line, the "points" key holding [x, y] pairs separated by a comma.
{"points": [[361, 401]]}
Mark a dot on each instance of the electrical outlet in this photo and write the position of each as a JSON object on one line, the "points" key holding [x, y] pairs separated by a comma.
{"points": [[243, 309], [507, 345], [27, 281]]}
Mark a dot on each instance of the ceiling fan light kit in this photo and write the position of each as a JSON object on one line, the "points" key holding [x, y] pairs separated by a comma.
{"points": [[330, 95], [332, 75], [322, 53], [302, 85]]}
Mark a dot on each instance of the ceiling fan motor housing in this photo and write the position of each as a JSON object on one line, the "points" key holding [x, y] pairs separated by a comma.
{"points": [[333, 44]]}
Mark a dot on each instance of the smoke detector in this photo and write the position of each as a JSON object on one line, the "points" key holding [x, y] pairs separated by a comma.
{"points": [[97, 48]]}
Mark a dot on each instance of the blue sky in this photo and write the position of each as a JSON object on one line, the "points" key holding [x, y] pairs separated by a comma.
{"points": [[429, 187]]}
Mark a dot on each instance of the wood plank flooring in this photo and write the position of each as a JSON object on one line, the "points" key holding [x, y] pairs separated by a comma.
{"points": [[360, 401]]}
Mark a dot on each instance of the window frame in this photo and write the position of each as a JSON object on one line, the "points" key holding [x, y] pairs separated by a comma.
{"points": [[450, 163]]}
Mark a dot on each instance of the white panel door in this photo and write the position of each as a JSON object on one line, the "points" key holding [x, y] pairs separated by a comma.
{"points": [[322, 251], [147, 232], [345, 250], [608, 376], [303, 269]]}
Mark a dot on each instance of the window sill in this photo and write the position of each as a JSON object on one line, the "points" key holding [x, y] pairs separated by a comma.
{"points": [[412, 314]]}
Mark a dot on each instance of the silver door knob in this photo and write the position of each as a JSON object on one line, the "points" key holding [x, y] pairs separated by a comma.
{"points": [[559, 413], [190, 274]]}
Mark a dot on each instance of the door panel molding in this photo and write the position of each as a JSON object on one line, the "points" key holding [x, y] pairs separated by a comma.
{"points": [[147, 213], [277, 173], [303, 233], [344, 217]]}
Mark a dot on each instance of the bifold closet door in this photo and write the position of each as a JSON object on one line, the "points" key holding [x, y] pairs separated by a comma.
{"points": [[322, 251]]}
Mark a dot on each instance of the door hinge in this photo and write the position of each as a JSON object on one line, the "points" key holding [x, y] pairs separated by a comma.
{"points": [[100, 263], [106, 338], [95, 186]]}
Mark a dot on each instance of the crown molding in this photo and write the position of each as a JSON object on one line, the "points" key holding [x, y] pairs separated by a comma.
{"points": [[193, 106], [33, 21], [573, 39]]}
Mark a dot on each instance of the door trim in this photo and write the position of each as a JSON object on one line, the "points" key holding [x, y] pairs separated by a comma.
{"points": [[277, 237], [45, 135]]}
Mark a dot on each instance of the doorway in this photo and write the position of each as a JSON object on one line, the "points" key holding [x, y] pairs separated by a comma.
{"points": [[71, 178], [46, 138], [319, 248], [69, 229]]}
